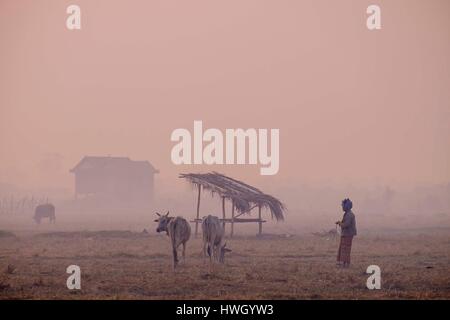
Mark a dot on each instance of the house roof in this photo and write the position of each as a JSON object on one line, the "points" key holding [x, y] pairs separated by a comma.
{"points": [[242, 194], [90, 162]]}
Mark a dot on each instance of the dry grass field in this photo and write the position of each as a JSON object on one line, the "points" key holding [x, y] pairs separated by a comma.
{"points": [[128, 265]]}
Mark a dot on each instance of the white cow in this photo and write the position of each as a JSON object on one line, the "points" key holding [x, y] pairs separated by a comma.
{"points": [[213, 239]]}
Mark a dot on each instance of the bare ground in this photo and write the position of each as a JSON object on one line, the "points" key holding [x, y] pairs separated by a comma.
{"points": [[129, 265]]}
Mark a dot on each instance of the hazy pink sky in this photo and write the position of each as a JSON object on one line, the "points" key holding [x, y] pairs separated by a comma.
{"points": [[352, 105]]}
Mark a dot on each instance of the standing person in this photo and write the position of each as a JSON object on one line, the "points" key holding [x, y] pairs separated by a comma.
{"points": [[348, 231]]}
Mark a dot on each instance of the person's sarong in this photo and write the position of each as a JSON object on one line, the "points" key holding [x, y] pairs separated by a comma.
{"points": [[345, 247]]}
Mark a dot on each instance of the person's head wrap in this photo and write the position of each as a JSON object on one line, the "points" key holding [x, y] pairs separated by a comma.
{"points": [[347, 204]]}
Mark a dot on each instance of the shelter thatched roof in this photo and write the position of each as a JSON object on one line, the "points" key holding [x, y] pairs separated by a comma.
{"points": [[243, 195]]}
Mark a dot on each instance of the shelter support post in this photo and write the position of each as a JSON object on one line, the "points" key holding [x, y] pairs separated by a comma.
{"points": [[198, 209], [260, 220], [232, 219], [223, 213]]}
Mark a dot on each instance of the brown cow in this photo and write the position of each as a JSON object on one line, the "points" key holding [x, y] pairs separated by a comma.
{"points": [[179, 231]]}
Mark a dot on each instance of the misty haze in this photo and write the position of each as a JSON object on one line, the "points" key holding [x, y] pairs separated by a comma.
{"points": [[86, 118]]}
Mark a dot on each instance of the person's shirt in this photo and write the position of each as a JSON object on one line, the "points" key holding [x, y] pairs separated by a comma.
{"points": [[348, 224]]}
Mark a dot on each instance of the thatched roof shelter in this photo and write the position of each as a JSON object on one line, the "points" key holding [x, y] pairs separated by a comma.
{"points": [[243, 196]]}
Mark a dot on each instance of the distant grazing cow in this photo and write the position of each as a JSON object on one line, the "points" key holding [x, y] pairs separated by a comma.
{"points": [[213, 239], [179, 231], [44, 211]]}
